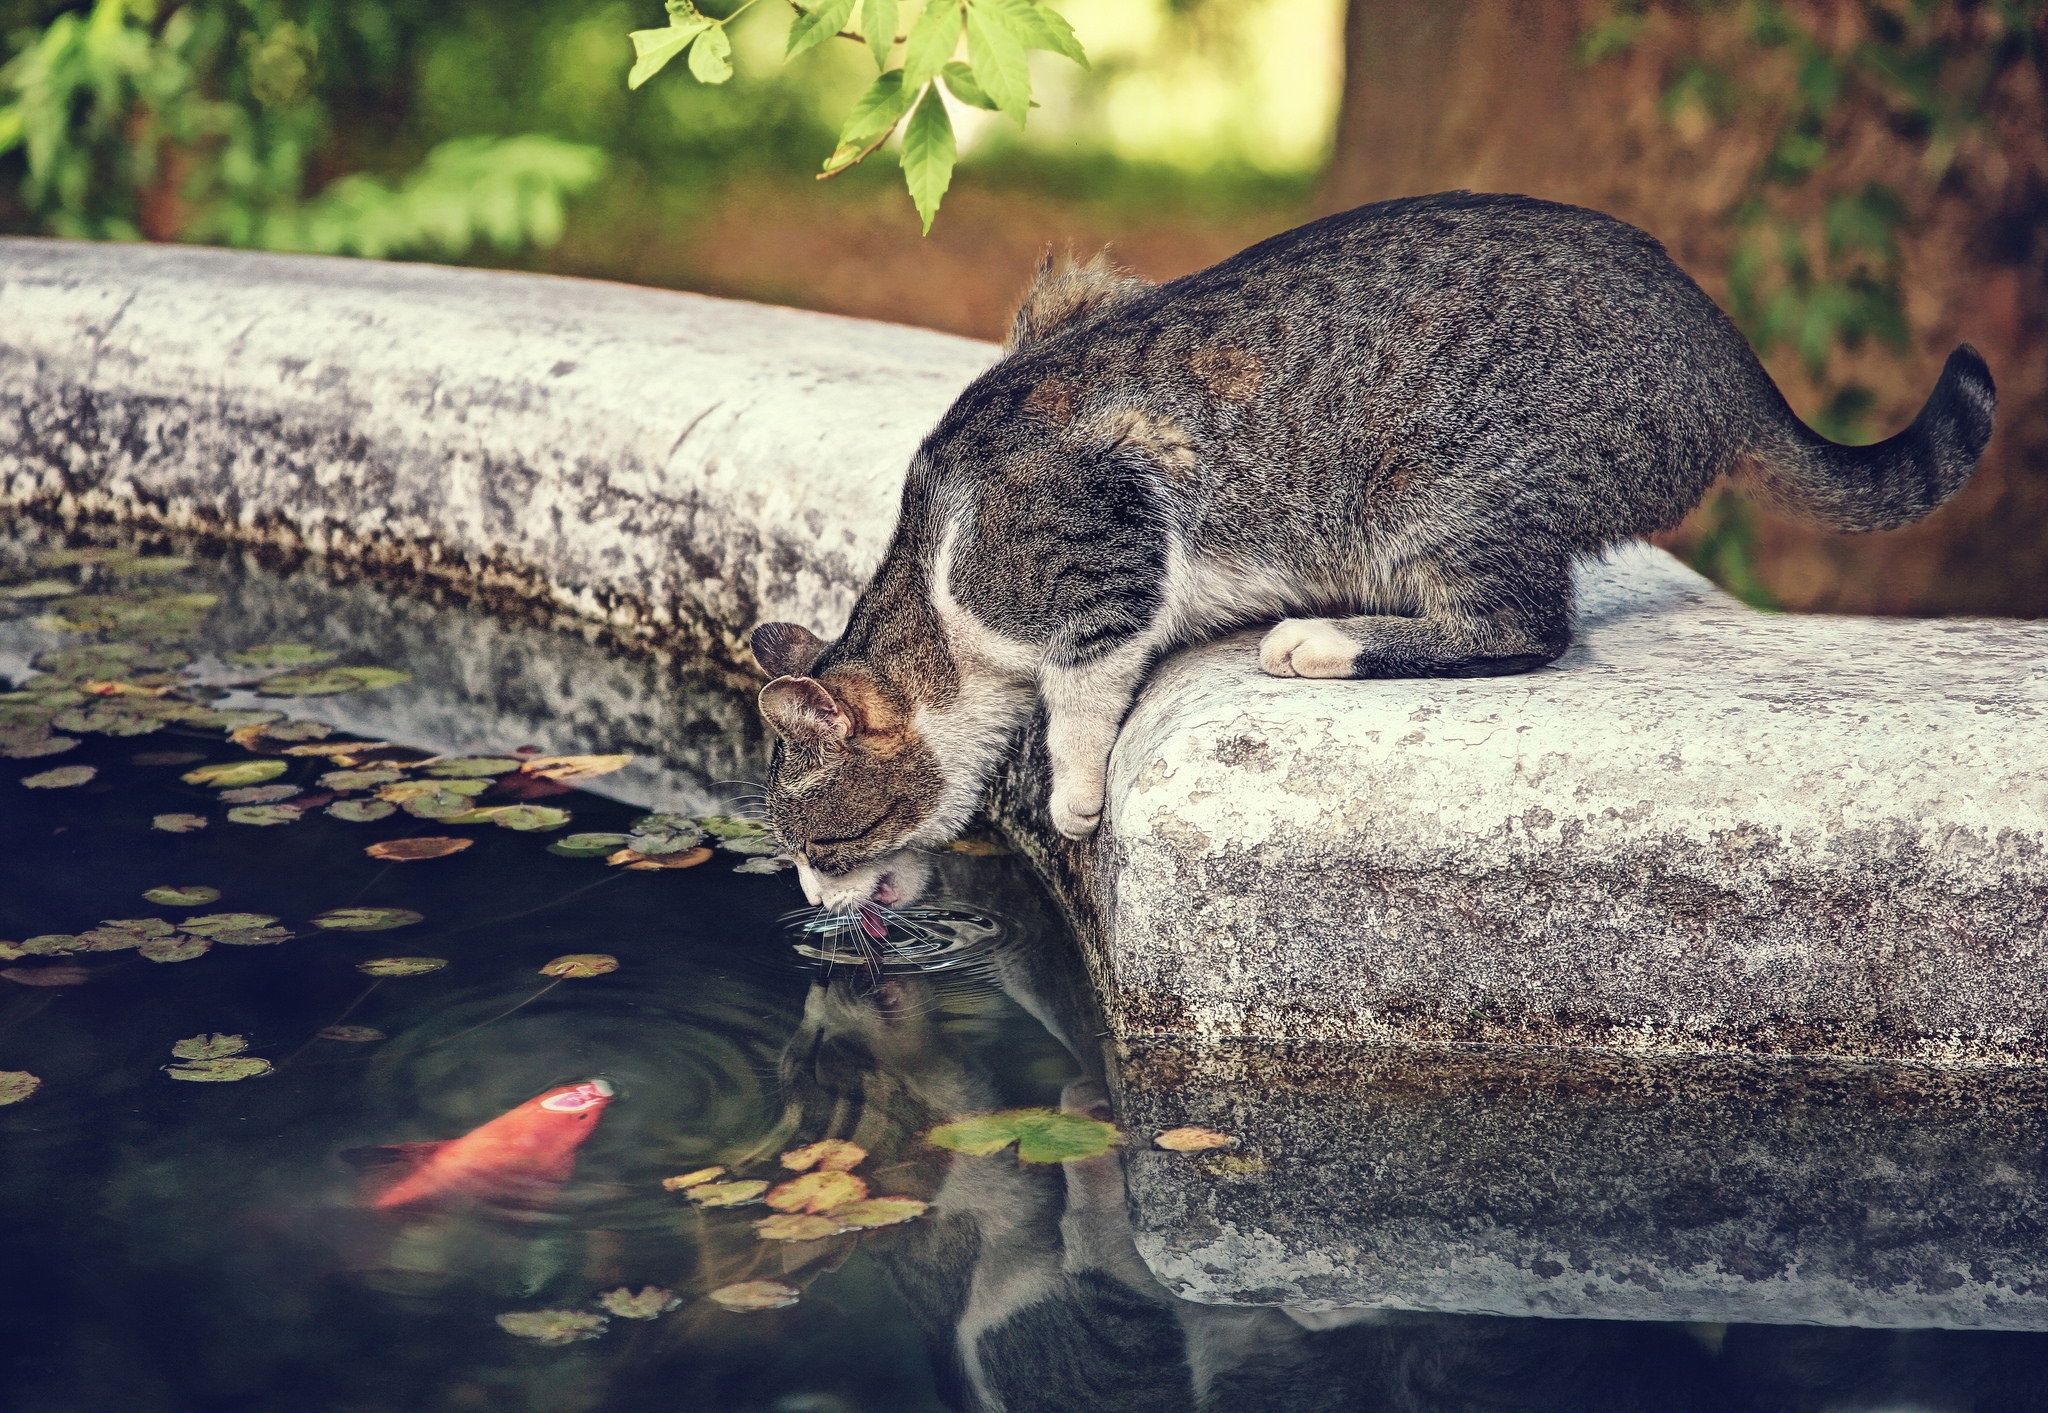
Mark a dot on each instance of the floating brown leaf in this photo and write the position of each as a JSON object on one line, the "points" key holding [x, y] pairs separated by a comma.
{"points": [[651, 1301], [634, 859], [755, 1295], [336, 748], [469, 767], [17, 1085], [581, 964], [574, 767], [1193, 1140], [827, 1155], [234, 772], [64, 777], [794, 1226], [691, 1179], [817, 1192], [258, 794], [553, 1326], [264, 814], [877, 1212], [727, 1194], [178, 823], [407, 850]]}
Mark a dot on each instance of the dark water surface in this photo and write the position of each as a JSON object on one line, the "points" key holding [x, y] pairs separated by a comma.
{"points": [[176, 1246]]}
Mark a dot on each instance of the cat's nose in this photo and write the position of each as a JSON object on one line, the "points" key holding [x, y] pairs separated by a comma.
{"points": [[814, 890]]}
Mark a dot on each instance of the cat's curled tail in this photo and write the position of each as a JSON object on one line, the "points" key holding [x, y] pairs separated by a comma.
{"points": [[1796, 470]]}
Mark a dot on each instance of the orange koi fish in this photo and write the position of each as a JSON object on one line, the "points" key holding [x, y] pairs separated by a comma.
{"points": [[518, 1159]]}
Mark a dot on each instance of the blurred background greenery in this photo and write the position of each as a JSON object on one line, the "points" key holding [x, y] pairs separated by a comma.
{"points": [[1863, 183]]}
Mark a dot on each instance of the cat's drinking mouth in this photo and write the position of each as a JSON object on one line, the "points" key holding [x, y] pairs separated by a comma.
{"points": [[892, 881]]}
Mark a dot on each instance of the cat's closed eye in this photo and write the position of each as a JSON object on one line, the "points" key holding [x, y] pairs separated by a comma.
{"points": [[854, 837]]}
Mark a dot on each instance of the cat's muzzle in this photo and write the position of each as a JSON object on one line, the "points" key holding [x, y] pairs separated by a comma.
{"points": [[892, 881]]}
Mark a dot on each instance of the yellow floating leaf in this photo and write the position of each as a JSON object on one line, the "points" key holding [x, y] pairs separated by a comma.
{"points": [[827, 1155], [220, 1071], [574, 767], [651, 1301], [401, 966], [405, 850], [794, 1226], [692, 1179], [17, 1085], [210, 1047], [1193, 1140], [552, 1326], [581, 964], [877, 1212], [817, 1192], [727, 1194], [755, 1295], [633, 858], [338, 748]]}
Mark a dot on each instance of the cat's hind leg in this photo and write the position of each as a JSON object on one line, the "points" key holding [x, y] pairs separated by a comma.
{"points": [[1486, 628]]}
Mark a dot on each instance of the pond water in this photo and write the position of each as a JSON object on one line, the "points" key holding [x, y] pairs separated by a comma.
{"points": [[193, 1176]]}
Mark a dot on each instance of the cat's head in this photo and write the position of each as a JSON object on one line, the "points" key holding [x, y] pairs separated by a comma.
{"points": [[852, 781]]}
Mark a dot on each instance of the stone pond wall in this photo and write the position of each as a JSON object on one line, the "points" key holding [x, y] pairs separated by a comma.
{"points": [[1758, 896]]}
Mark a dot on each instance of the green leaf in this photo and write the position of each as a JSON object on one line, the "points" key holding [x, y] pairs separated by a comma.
{"points": [[874, 114], [1041, 1135], [178, 823], [960, 80], [725, 826], [361, 811], [237, 772], [279, 655], [1039, 27], [263, 814], [64, 777], [359, 779], [878, 27], [328, 681], [193, 896], [209, 1047], [220, 1071], [653, 48], [817, 25], [711, 58], [175, 948], [997, 55], [928, 154], [663, 834], [214, 924], [588, 846], [527, 819], [401, 966], [361, 919], [39, 589], [933, 37]]}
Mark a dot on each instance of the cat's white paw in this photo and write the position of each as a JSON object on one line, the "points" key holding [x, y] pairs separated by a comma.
{"points": [[1307, 647], [1074, 813]]}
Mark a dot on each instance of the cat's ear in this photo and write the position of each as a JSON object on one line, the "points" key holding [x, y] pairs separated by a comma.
{"points": [[803, 713], [784, 649], [1066, 291]]}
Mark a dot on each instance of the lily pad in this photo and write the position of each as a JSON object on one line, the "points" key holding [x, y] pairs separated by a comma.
{"points": [[359, 779], [253, 936], [568, 768], [53, 944], [297, 731], [196, 895], [405, 791], [827, 1155], [438, 804], [553, 1326], [64, 777], [756, 845], [210, 1047], [401, 966], [279, 655], [220, 1071], [175, 948], [328, 681], [235, 772], [362, 811], [663, 834], [581, 964], [1041, 1135], [1193, 1140], [178, 823], [42, 746], [634, 859], [107, 721], [258, 794], [264, 814], [334, 749], [362, 919], [587, 846], [725, 826], [877, 1212], [755, 1295], [139, 612], [794, 1226], [817, 1192], [39, 589], [470, 767], [354, 1034], [649, 1302], [527, 819], [17, 1085], [774, 864], [691, 1179], [213, 923], [727, 1194], [406, 850]]}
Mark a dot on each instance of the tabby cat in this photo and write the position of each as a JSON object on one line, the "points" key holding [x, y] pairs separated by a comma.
{"points": [[1392, 430]]}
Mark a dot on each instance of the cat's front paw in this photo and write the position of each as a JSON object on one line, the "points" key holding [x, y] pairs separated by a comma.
{"points": [[1308, 647], [1074, 813]]}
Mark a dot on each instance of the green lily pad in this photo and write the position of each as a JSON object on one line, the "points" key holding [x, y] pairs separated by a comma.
{"points": [[330, 680], [1041, 1135], [725, 826], [39, 589], [663, 834], [175, 948], [754, 845], [64, 777], [359, 779], [41, 746], [258, 794], [279, 655], [100, 661], [210, 1047], [766, 864], [588, 846], [17, 1085], [264, 814], [440, 805], [253, 936], [220, 1071], [471, 767], [361, 811], [401, 966], [527, 819], [178, 823], [52, 944], [363, 919], [406, 790], [138, 612], [235, 772], [214, 923], [196, 895], [107, 721]]}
